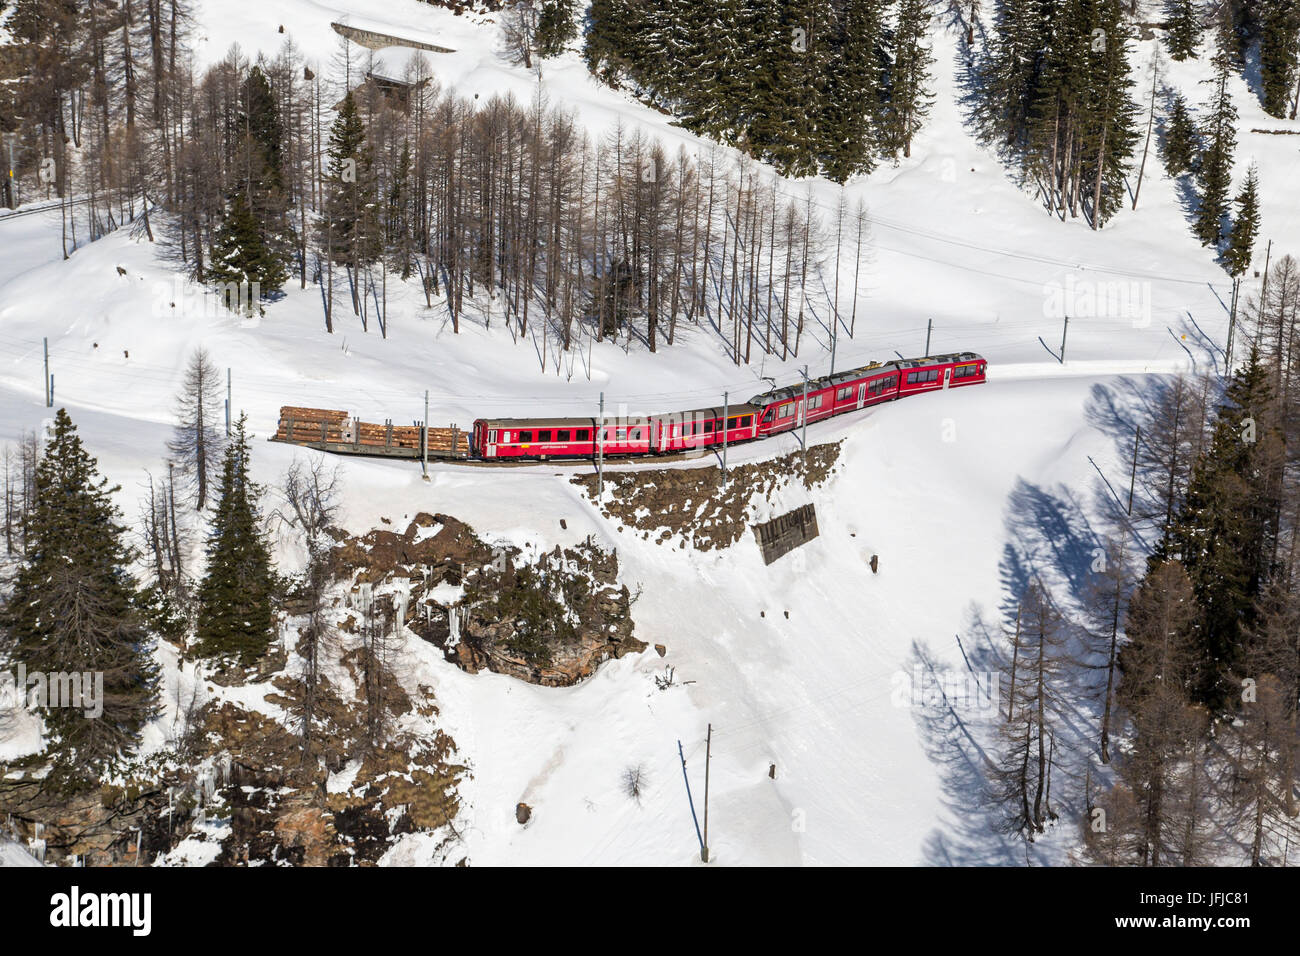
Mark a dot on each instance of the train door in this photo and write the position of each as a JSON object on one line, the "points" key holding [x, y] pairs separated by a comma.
{"points": [[947, 376], [800, 412], [490, 448], [862, 394]]}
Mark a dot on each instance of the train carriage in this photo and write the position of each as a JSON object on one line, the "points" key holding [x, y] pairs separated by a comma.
{"points": [[786, 408], [702, 427], [544, 438], [775, 411]]}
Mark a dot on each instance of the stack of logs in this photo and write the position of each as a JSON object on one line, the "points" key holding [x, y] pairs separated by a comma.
{"points": [[327, 426]]}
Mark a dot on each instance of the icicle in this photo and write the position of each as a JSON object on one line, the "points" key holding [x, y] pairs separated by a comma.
{"points": [[456, 616]]}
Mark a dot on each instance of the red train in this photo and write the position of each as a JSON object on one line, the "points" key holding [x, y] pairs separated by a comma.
{"points": [[775, 411]]}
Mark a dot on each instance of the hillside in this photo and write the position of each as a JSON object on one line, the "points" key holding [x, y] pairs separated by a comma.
{"points": [[796, 665]]}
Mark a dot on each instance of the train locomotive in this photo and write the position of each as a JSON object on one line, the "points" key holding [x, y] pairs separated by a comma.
{"points": [[777, 410]]}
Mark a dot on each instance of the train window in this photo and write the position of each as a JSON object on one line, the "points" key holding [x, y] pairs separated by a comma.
{"points": [[492, 437], [843, 393], [911, 378], [747, 421], [544, 435], [620, 434], [785, 410], [932, 375], [634, 434], [525, 436], [584, 434], [733, 423], [963, 371], [708, 427], [562, 435], [815, 401]]}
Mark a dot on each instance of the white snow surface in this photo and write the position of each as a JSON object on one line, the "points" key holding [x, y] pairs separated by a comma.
{"points": [[926, 483]]}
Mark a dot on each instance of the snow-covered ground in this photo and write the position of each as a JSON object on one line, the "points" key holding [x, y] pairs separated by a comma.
{"points": [[930, 484]]}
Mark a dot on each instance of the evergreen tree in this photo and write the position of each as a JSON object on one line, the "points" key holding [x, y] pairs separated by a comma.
{"points": [[1182, 28], [1223, 532], [853, 132], [240, 257], [1214, 168], [1279, 47], [1245, 228], [235, 615], [1108, 133], [73, 611], [1023, 30], [1179, 148], [909, 95], [260, 180], [556, 26], [350, 190]]}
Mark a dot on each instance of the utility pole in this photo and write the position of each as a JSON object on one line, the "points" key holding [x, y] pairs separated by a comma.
{"points": [[424, 440], [708, 756], [11, 194], [600, 450], [1132, 478], [689, 799], [726, 407], [1264, 290], [929, 327], [49, 391], [1064, 331], [228, 397], [1232, 323], [803, 410]]}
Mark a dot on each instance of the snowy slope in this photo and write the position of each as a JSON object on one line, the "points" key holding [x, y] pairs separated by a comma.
{"points": [[929, 484], [11, 854]]}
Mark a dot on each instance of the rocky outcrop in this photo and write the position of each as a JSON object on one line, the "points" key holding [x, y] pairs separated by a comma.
{"points": [[694, 505]]}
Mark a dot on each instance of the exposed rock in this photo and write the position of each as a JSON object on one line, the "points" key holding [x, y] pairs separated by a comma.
{"points": [[695, 504]]}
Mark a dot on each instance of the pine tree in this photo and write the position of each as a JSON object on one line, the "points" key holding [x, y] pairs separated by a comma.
{"points": [[1245, 228], [1222, 535], [1279, 48], [73, 611], [1214, 168], [556, 26], [1180, 147], [260, 176], [1108, 133], [855, 118], [350, 190], [240, 259], [1183, 28], [1020, 40], [909, 95], [235, 614]]}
